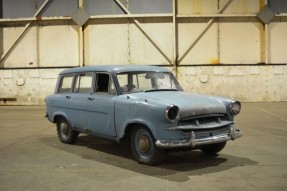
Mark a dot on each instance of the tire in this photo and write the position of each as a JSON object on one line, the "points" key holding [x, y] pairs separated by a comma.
{"points": [[213, 149], [64, 131], [143, 147]]}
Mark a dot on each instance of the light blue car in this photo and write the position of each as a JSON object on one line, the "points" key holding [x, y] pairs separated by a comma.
{"points": [[143, 105]]}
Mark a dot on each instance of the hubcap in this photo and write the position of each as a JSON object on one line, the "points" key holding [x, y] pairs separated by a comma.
{"points": [[144, 145], [64, 129]]}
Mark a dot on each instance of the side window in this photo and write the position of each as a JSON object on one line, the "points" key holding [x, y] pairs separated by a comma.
{"points": [[66, 84], [105, 84], [83, 83]]}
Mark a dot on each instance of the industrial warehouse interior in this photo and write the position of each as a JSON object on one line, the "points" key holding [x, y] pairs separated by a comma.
{"points": [[234, 49]]}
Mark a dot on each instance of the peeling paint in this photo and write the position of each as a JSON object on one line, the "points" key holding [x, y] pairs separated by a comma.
{"points": [[218, 71], [235, 72], [203, 78], [278, 70], [20, 81], [7, 74], [254, 71]]}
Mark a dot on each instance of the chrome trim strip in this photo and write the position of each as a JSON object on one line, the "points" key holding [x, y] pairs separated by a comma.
{"points": [[201, 126]]}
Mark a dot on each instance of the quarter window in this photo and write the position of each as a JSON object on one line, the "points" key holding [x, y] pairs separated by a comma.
{"points": [[66, 84]]}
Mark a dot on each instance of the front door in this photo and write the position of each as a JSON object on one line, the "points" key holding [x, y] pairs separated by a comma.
{"points": [[100, 107]]}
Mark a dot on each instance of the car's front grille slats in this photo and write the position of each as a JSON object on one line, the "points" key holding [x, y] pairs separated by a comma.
{"points": [[205, 125]]}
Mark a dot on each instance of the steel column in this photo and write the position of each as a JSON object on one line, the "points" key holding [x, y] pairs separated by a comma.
{"points": [[175, 35], [81, 38], [266, 27]]}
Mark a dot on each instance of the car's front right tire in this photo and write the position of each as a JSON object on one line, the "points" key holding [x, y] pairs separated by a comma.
{"points": [[143, 147], [65, 133]]}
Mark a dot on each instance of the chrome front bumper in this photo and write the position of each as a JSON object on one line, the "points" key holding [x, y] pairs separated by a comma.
{"points": [[193, 142]]}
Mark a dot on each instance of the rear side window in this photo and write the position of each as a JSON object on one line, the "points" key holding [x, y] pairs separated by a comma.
{"points": [[83, 83], [65, 84]]}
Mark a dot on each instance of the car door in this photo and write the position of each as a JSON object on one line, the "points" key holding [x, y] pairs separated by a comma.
{"points": [[83, 88], [62, 99], [101, 105]]}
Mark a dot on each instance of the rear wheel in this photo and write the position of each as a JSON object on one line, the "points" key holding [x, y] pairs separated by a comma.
{"points": [[65, 133], [143, 147], [213, 148]]}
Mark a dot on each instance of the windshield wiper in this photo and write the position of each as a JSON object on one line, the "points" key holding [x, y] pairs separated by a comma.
{"points": [[154, 90]]}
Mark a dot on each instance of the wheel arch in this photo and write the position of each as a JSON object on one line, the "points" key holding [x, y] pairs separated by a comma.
{"points": [[57, 115], [129, 127]]}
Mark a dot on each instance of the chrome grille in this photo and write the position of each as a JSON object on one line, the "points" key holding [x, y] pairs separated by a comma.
{"points": [[209, 120], [200, 133], [204, 126]]}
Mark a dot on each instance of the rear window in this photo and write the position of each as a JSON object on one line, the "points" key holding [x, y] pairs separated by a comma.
{"points": [[83, 83], [65, 84]]}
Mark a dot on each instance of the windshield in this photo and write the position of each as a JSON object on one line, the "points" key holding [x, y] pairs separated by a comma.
{"points": [[132, 82]]}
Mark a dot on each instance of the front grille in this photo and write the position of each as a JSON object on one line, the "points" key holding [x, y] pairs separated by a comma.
{"points": [[205, 120], [200, 133], [207, 125]]}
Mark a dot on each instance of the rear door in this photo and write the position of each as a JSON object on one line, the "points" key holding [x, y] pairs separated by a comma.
{"points": [[79, 98], [61, 101]]}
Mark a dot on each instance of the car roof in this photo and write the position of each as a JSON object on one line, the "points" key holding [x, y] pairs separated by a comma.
{"points": [[115, 69]]}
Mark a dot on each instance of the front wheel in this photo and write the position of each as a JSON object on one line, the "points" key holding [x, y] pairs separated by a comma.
{"points": [[213, 148], [143, 147], [65, 133]]}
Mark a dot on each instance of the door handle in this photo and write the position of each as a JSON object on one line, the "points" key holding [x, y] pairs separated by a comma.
{"points": [[68, 96], [90, 98]]}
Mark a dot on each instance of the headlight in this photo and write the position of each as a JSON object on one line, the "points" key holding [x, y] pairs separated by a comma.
{"points": [[172, 112], [235, 107]]}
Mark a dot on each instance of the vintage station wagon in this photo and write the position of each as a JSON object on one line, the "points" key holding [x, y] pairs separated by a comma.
{"points": [[144, 105]]}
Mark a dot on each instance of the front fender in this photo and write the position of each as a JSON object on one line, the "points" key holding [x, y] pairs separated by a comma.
{"points": [[128, 111], [131, 111]]}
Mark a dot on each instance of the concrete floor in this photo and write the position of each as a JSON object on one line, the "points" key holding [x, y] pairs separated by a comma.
{"points": [[32, 157]]}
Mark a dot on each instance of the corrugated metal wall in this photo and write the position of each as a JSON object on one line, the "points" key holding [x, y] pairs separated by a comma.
{"points": [[219, 47]]}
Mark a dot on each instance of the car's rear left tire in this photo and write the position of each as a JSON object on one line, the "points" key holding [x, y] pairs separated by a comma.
{"points": [[143, 147], [65, 133]]}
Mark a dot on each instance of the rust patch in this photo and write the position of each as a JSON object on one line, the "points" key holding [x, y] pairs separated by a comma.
{"points": [[214, 61], [4, 100], [38, 18]]}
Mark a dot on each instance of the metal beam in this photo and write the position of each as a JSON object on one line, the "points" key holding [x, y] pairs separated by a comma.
{"points": [[139, 26], [63, 18], [81, 38], [3, 57], [175, 35], [203, 31], [266, 43]]}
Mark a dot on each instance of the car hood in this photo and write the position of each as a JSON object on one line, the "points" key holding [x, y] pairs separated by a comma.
{"points": [[189, 104]]}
